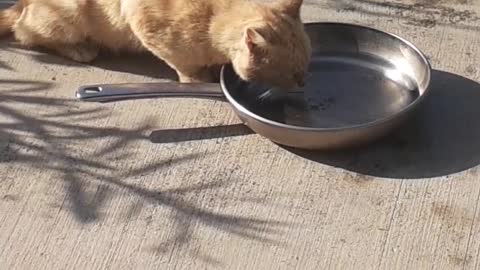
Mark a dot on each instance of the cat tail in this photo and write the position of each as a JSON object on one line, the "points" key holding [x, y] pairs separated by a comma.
{"points": [[9, 16]]}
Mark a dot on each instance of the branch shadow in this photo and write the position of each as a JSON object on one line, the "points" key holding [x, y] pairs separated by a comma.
{"points": [[6, 3], [422, 13], [44, 138], [441, 139]]}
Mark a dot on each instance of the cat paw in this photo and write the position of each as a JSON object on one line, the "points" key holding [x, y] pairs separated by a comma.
{"points": [[187, 79], [80, 53], [201, 76]]}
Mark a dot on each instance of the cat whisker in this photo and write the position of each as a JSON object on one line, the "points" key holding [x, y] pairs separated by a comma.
{"points": [[265, 95]]}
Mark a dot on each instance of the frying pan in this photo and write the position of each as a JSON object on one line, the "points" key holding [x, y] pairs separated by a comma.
{"points": [[365, 83]]}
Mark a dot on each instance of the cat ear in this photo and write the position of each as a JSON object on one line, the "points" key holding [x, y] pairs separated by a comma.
{"points": [[253, 39], [290, 7]]}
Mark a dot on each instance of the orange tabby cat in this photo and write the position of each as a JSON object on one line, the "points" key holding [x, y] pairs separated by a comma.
{"points": [[265, 43]]}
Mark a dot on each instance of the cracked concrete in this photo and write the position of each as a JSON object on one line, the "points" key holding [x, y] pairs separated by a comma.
{"points": [[179, 184]]}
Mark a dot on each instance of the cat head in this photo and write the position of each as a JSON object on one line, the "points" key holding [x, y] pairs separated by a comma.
{"points": [[275, 50]]}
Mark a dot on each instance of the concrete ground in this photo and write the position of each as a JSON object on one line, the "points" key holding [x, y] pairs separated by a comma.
{"points": [[180, 184]]}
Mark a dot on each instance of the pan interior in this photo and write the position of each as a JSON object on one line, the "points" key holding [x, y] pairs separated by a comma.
{"points": [[346, 88]]}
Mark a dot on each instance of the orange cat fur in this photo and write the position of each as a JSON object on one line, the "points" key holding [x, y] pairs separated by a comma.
{"points": [[265, 43]]}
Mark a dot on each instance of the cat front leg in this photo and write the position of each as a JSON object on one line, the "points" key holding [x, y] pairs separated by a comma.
{"points": [[215, 71], [162, 39], [187, 71], [192, 74]]}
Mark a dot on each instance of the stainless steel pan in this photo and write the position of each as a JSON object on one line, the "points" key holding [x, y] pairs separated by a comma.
{"points": [[364, 83]]}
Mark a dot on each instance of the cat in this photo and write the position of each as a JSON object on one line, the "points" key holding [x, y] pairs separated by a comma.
{"points": [[265, 43]]}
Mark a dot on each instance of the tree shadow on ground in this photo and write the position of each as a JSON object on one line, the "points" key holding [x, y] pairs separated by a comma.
{"points": [[44, 133], [421, 13]]}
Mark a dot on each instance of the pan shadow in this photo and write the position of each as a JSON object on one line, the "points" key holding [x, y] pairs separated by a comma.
{"points": [[441, 139], [200, 133]]}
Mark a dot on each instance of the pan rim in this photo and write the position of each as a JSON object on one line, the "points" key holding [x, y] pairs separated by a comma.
{"points": [[376, 122]]}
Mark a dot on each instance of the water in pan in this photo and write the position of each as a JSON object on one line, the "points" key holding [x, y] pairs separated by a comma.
{"points": [[343, 90]]}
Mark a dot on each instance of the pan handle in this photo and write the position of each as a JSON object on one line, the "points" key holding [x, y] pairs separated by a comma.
{"points": [[125, 91]]}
